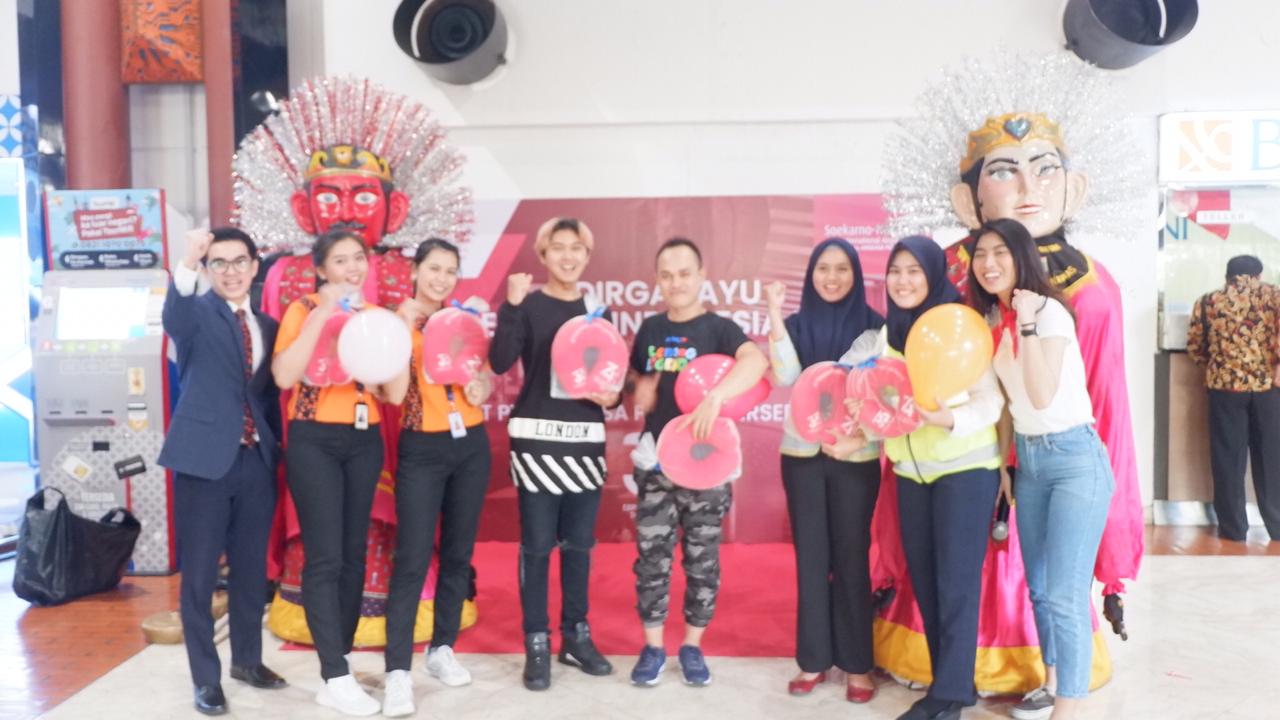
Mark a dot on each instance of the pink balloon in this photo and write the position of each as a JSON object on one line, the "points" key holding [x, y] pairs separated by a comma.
{"points": [[700, 464], [324, 368], [454, 347], [705, 372], [588, 356], [374, 346], [817, 403], [888, 407]]}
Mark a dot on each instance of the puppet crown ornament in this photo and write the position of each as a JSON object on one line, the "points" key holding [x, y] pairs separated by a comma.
{"points": [[345, 159], [980, 105], [1010, 129]]}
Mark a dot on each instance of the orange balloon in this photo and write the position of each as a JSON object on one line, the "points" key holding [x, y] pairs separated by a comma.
{"points": [[948, 349]]}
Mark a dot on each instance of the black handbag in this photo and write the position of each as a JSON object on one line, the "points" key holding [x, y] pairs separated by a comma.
{"points": [[62, 556]]}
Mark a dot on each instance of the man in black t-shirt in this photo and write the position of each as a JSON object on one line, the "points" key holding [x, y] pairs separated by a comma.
{"points": [[664, 345]]}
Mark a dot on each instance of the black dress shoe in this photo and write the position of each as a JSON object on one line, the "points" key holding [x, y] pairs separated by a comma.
{"points": [[259, 676], [577, 650], [537, 661], [210, 700]]}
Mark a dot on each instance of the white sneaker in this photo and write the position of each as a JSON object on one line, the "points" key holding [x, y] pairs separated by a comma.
{"points": [[346, 696], [442, 664], [397, 700]]}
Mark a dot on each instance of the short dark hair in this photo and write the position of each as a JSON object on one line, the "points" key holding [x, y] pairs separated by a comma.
{"points": [[1246, 265], [434, 243], [326, 240], [676, 242], [234, 234], [1027, 264]]}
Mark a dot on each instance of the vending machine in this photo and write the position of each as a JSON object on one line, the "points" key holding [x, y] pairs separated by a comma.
{"points": [[100, 366]]}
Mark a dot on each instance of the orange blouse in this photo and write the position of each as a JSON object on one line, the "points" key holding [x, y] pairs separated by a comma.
{"points": [[329, 404]]}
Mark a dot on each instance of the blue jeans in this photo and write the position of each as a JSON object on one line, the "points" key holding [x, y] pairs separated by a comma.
{"points": [[1063, 491]]}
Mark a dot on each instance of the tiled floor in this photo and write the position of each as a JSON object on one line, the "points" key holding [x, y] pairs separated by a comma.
{"points": [[48, 654], [1201, 632]]}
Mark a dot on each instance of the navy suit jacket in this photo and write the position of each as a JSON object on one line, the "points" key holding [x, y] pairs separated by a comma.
{"points": [[206, 427]]}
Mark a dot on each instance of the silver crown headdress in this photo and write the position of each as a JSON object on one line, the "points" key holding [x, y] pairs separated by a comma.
{"points": [[921, 160], [272, 162]]}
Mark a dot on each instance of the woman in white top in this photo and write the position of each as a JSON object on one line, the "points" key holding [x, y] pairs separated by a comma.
{"points": [[1064, 478]]}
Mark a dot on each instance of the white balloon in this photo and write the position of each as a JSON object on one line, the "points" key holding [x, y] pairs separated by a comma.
{"points": [[374, 346]]}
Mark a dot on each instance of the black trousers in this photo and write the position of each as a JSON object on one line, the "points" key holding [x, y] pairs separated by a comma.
{"points": [[436, 476], [333, 472], [944, 537], [830, 504], [547, 521], [233, 515], [1244, 425]]}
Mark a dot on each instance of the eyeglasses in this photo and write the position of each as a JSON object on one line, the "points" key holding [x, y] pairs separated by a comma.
{"points": [[220, 266]]}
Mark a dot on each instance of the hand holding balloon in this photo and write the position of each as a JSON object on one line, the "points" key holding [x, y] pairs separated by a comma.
{"points": [[330, 295], [411, 312], [940, 417], [845, 446], [704, 415], [604, 399], [479, 389]]}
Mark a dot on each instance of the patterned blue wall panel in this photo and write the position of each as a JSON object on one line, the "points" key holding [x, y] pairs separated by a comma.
{"points": [[10, 126]]}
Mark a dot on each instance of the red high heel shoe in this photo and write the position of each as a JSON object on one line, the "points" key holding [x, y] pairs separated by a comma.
{"points": [[855, 694], [800, 686]]}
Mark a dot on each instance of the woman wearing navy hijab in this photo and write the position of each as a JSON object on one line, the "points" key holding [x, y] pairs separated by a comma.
{"points": [[831, 488], [947, 478]]}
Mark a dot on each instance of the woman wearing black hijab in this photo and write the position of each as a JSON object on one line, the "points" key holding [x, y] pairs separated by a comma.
{"points": [[947, 479], [831, 488]]}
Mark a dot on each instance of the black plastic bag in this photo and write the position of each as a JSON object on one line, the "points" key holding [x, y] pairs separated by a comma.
{"points": [[62, 556]]}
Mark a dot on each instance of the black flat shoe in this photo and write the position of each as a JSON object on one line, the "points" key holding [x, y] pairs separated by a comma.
{"points": [[210, 700], [259, 676]]}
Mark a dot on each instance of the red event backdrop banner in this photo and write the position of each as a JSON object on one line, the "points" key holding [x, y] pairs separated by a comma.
{"points": [[747, 242]]}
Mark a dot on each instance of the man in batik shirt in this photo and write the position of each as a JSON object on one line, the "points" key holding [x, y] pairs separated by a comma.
{"points": [[1233, 336]]}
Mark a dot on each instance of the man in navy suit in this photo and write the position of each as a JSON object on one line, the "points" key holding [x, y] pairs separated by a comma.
{"points": [[223, 444]]}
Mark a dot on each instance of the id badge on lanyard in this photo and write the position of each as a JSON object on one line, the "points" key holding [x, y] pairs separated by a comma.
{"points": [[362, 416], [456, 427]]}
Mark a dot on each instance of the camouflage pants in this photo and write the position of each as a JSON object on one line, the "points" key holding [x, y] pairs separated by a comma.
{"points": [[662, 507]]}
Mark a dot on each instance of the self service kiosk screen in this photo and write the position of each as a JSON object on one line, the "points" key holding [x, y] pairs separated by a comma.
{"points": [[118, 313]]}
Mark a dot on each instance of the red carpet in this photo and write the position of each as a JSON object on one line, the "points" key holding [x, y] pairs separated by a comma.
{"points": [[755, 614]]}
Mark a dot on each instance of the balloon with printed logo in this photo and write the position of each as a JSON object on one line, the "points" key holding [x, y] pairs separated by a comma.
{"points": [[454, 346], [817, 403], [324, 368], [947, 350], [700, 464], [589, 356], [705, 372], [374, 346], [888, 408]]}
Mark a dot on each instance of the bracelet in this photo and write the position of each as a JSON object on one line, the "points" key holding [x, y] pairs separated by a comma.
{"points": [[1029, 330]]}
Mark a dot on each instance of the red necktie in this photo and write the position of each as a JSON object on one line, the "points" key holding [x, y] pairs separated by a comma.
{"points": [[250, 434]]}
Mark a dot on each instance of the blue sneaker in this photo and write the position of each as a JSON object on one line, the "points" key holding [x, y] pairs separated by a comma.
{"points": [[694, 666], [648, 669]]}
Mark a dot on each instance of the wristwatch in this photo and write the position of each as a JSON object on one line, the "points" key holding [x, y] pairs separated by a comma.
{"points": [[1029, 330]]}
